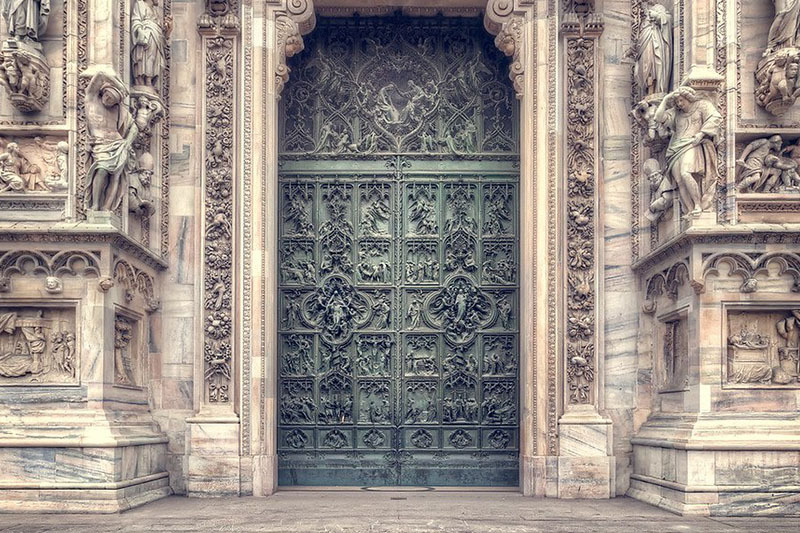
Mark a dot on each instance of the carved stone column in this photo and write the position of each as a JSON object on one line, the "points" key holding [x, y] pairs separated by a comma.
{"points": [[213, 433], [521, 28], [586, 463]]}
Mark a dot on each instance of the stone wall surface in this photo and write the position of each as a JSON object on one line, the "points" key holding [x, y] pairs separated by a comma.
{"points": [[659, 265]]}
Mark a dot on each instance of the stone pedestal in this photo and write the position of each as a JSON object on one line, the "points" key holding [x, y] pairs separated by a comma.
{"points": [[77, 434], [213, 467], [722, 439]]}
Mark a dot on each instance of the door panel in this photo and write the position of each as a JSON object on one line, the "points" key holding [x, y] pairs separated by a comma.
{"points": [[398, 334]]}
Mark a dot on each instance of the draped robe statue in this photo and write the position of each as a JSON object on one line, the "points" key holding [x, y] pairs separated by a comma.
{"points": [[112, 131], [785, 29], [653, 68], [27, 19], [692, 154], [147, 40]]}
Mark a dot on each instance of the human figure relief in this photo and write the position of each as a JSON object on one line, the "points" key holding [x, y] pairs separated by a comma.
{"points": [[691, 156], [112, 132]]}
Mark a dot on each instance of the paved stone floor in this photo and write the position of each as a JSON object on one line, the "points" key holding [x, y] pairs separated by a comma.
{"points": [[396, 512]]}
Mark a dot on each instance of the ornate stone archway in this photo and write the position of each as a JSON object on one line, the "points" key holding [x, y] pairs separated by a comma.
{"points": [[565, 443]]}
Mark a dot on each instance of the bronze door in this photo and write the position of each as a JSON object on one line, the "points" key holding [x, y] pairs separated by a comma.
{"points": [[398, 333]]}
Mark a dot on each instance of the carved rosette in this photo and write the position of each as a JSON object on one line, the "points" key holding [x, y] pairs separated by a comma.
{"points": [[219, 217], [581, 160]]}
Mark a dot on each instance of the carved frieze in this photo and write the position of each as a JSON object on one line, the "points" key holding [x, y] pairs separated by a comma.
{"points": [[38, 345], [34, 165], [767, 166], [762, 347]]}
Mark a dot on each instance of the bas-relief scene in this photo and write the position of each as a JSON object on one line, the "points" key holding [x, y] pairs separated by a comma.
{"points": [[466, 240]]}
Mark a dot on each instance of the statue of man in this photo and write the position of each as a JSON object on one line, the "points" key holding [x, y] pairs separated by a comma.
{"points": [[27, 19], [653, 68], [692, 154], [112, 132], [785, 29], [147, 42]]}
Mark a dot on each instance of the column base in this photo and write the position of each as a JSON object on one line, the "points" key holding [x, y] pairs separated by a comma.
{"points": [[61, 462], [586, 466], [213, 460], [265, 475], [713, 465]]}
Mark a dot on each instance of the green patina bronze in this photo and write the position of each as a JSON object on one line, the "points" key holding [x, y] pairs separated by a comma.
{"points": [[398, 332]]}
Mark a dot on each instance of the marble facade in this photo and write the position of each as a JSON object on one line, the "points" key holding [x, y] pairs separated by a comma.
{"points": [[658, 341]]}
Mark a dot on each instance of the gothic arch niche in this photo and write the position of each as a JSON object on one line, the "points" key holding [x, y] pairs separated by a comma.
{"points": [[398, 301]]}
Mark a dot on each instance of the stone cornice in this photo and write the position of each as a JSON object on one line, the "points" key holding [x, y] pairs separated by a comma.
{"points": [[82, 234], [739, 234]]}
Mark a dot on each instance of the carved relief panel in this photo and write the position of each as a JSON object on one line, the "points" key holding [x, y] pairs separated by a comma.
{"points": [[398, 257], [762, 348], [38, 345]]}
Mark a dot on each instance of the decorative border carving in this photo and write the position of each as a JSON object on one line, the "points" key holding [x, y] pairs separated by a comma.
{"points": [[247, 224], [582, 32], [165, 129], [82, 149], [636, 21], [552, 235], [748, 266], [218, 197]]}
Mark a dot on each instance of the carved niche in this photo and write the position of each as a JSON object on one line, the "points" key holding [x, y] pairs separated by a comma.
{"points": [[675, 355], [762, 348], [127, 355], [38, 345]]}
